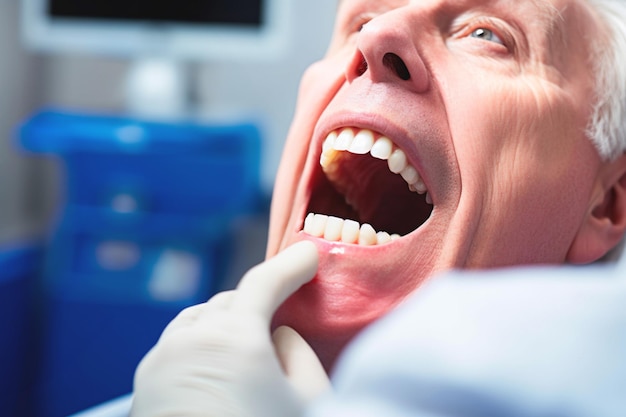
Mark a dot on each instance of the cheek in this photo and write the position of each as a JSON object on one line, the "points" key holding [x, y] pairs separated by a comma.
{"points": [[541, 194], [527, 172], [529, 212], [540, 212], [544, 156], [509, 133], [318, 86]]}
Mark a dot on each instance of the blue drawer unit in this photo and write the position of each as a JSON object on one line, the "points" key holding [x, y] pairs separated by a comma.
{"points": [[19, 267], [142, 232], [132, 165]]}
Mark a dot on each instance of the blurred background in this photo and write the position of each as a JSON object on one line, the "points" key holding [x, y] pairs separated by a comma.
{"points": [[134, 180]]}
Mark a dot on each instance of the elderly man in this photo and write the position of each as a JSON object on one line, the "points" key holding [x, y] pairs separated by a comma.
{"points": [[464, 128], [435, 135]]}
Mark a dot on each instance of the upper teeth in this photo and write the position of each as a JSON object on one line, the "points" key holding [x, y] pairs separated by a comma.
{"points": [[363, 141], [360, 142]]}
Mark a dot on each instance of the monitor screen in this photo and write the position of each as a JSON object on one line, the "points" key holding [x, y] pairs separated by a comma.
{"points": [[192, 29], [227, 12]]}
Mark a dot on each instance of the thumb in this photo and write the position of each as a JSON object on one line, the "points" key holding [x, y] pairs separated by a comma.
{"points": [[302, 367]]}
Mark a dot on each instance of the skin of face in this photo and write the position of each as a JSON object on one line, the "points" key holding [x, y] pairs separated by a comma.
{"points": [[493, 117]]}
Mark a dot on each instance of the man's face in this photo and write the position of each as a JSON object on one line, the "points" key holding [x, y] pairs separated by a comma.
{"points": [[464, 126]]}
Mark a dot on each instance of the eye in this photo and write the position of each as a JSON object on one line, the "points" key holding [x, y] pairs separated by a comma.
{"points": [[487, 35]]}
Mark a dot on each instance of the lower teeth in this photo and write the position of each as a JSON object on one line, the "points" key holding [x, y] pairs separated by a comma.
{"points": [[335, 229]]}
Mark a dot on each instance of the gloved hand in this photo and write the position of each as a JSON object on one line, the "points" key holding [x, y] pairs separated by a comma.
{"points": [[218, 359]]}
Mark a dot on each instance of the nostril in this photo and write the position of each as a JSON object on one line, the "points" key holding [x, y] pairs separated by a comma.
{"points": [[395, 63], [362, 67]]}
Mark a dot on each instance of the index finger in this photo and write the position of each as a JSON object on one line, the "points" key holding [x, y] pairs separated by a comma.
{"points": [[266, 286]]}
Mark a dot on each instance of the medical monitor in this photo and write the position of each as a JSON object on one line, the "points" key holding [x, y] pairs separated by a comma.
{"points": [[187, 29]]}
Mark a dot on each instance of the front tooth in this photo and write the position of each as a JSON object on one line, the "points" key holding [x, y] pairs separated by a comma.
{"points": [[350, 232], [382, 148], [397, 161], [429, 199], [367, 235], [332, 232], [362, 143], [344, 140]]}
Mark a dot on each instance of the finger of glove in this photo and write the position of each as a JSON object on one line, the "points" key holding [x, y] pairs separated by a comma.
{"points": [[302, 367], [266, 286], [219, 302], [183, 319]]}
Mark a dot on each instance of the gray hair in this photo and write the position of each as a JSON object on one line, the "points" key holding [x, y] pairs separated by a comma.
{"points": [[607, 125]]}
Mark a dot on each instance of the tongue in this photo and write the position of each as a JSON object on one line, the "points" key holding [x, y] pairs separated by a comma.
{"points": [[380, 197]]}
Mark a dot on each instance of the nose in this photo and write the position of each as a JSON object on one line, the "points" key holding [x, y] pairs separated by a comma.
{"points": [[387, 51]]}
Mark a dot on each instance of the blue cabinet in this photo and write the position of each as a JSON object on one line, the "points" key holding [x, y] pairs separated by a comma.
{"points": [[19, 269], [142, 232]]}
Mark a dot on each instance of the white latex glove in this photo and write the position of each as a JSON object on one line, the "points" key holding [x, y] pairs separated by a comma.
{"points": [[218, 359]]}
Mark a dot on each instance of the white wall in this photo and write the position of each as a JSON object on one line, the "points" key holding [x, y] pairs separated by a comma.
{"points": [[20, 89]]}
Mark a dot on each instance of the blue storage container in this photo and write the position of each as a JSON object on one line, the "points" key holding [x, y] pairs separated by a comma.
{"points": [[143, 232], [129, 165], [19, 266]]}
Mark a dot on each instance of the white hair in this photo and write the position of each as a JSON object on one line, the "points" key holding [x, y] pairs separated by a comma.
{"points": [[607, 125]]}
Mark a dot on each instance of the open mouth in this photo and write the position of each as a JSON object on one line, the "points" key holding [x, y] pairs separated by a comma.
{"points": [[366, 191]]}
